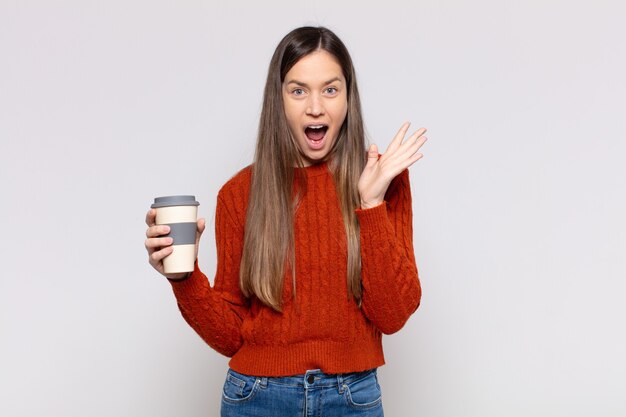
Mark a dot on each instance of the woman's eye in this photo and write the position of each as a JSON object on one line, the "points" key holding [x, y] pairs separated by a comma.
{"points": [[331, 90], [298, 92]]}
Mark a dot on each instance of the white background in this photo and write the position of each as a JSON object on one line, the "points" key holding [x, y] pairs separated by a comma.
{"points": [[519, 202]]}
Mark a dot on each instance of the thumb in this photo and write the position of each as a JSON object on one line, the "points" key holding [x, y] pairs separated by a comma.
{"points": [[201, 224], [372, 155]]}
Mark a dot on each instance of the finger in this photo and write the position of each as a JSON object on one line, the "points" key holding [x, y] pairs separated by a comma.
{"points": [[158, 230], [413, 159], [420, 132], [397, 140], [405, 157], [151, 217], [372, 155], [404, 164], [409, 147], [415, 137], [416, 158], [157, 256], [412, 147], [158, 242], [421, 142]]}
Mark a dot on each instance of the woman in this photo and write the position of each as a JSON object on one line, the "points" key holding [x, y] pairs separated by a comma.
{"points": [[314, 246]]}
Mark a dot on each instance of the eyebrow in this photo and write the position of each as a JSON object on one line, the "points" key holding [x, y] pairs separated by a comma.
{"points": [[300, 83]]}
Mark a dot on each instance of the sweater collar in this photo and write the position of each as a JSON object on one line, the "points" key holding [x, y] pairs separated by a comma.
{"points": [[315, 170]]}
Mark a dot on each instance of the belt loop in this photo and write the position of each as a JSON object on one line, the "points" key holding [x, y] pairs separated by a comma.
{"points": [[340, 383], [263, 381]]}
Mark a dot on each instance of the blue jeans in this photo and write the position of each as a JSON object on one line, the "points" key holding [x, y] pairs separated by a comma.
{"points": [[312, 394]]}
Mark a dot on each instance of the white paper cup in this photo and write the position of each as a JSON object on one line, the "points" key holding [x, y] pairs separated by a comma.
{"points": [[180, 213]]}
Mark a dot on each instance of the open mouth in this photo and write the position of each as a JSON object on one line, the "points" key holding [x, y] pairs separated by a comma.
{"points": [[315, 134]]}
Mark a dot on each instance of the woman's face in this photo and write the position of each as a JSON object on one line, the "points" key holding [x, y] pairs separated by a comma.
{"points": [[316, 103]]}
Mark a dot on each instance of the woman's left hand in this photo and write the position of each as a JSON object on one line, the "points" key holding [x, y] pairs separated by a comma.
{"points": [[379, 172]]}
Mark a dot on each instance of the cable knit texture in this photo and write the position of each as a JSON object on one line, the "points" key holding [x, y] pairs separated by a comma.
{"points": [[322, 328]]}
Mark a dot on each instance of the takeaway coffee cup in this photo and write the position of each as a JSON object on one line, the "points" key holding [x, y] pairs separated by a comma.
{"points": [[180, 213]]}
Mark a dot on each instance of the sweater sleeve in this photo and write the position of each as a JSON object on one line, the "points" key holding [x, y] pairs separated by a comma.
{"points": [[216, 313], [391, 287]]}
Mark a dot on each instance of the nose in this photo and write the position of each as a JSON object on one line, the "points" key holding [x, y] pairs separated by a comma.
{"points": [[315, 107]]}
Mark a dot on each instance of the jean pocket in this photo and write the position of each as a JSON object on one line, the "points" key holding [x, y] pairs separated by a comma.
{"points": [[238, 387], [364, 391]]}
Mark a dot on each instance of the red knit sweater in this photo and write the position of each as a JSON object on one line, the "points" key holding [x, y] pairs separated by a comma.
{"points": [[327, 331]]}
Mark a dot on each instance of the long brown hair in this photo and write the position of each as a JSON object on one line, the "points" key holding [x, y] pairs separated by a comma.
{"points": [[268, 248]]}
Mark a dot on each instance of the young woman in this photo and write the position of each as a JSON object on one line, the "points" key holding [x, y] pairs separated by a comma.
{"points": [[314, 246]]}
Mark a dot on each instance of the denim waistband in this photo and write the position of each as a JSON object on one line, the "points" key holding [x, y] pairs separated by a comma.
{"points": [[313, 378]]}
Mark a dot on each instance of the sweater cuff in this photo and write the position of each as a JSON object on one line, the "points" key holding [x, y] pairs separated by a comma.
{"points": [[194, 283], [373, 220]]}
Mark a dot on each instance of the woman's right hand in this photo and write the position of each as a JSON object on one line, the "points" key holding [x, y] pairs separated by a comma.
{"points": [[159, 247]]}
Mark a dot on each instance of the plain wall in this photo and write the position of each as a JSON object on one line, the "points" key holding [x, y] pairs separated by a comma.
{"points": [[519, 202]]}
